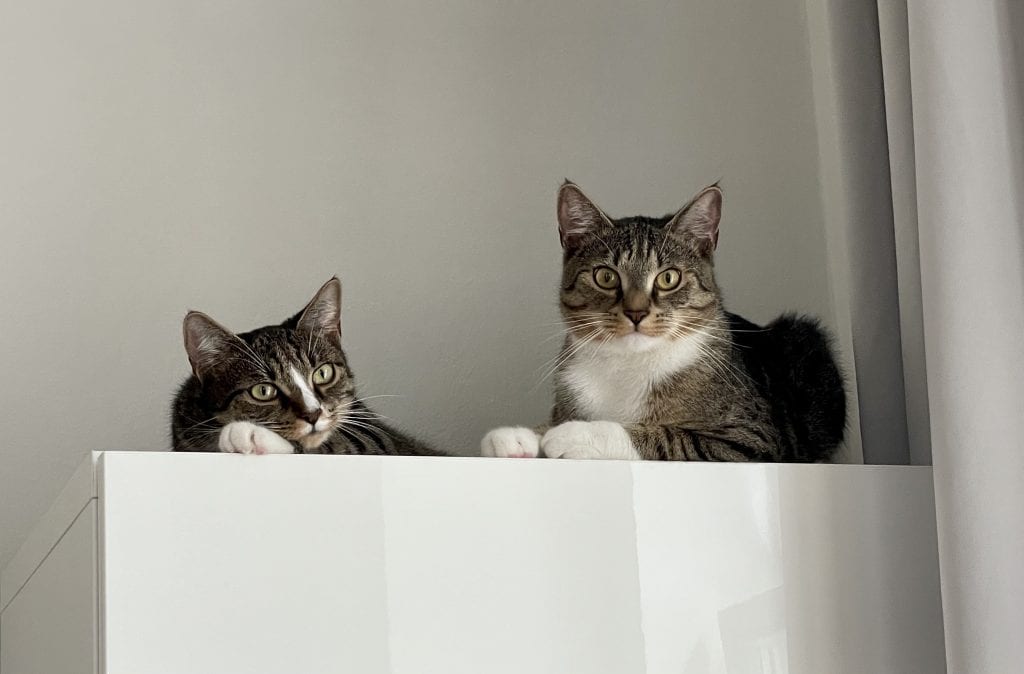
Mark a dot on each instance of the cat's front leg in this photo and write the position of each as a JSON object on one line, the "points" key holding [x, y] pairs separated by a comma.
{"points": [[589, 440], [511, 442], [243, 437]]}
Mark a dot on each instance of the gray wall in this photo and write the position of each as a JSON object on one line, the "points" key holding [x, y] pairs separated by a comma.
{"points": [[231, 156]]}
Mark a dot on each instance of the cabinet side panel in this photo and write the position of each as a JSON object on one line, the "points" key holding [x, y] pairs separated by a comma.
{"points": [[49, 626]]}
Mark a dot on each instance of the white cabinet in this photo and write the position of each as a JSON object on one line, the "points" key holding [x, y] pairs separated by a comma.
{"points": [[209, 563]]}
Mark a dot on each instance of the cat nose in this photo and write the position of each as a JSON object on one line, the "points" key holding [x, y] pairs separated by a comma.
{"points": [[635, 315], [310, 416]]}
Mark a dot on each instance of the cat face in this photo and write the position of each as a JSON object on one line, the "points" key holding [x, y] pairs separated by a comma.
{"points": [[292, 378], [638, 282]]}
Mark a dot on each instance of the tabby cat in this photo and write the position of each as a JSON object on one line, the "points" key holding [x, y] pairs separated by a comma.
{"points": [[653, 367], [278, 389]]}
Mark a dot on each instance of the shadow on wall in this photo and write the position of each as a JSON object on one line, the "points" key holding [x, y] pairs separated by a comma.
{"points": [[1012, 24]]}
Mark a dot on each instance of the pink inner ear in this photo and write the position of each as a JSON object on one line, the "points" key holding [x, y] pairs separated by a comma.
{"points": [[577, 214], [701, 217]]}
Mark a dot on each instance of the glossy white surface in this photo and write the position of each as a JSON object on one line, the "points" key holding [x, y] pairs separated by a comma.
{"points": [[826, 568], [709, 549], [264, 564], [214, 564], [496, 566]]}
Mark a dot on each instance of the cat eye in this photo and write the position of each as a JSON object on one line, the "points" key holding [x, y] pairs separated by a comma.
{"points": [[263, 392], [324, 374], [668, 279], [606, 277]]}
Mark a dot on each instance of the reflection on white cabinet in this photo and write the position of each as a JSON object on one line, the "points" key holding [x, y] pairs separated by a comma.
{"points": [[213, 563]]}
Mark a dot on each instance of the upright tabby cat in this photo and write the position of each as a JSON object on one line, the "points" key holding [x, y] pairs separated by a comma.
{"points": [[654, 367], [278, 389]]}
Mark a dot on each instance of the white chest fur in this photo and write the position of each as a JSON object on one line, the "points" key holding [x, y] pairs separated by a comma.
{"points": [[612, 382]]}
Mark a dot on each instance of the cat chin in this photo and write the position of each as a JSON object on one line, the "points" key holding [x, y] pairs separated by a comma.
{"points": [[636, 342], [314, 440]]}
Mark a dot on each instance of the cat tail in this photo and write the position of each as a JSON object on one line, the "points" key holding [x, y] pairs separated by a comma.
{"points": [[814, 383]]}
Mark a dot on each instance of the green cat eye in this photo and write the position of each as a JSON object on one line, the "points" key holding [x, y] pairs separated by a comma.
{"points": [[263, 392], [668, 279], [606, 277], [323, 374]]}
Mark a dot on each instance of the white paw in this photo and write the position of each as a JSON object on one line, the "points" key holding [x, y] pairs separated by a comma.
{"points": [[520, 443], [588, 440], [242, 437]]}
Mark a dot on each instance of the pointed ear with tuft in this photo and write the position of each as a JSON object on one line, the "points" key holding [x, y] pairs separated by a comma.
{"points": [[323, 313], [207, 342], [577, 215], [697, 222]]}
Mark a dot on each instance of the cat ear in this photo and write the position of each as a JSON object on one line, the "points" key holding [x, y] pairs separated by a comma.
{"points": [[323, 313], [697, 221], [577, 215], [207, 342]]}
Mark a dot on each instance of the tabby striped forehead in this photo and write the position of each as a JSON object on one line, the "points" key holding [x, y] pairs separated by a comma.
{"points": [[282, 349], [634, 245]]}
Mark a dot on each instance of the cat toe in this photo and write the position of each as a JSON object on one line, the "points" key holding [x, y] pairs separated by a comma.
{"points": [[269, 442], [588, 440], [569, 440], [510, 443], [242, 437], [237, 438]]}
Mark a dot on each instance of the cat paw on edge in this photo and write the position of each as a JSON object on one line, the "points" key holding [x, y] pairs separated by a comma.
{"points": [[243, 437], [511, 443], [588, 440]]}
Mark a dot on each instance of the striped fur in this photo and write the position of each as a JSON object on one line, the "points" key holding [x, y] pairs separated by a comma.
{"points": [[214, 410], [665, 373]]}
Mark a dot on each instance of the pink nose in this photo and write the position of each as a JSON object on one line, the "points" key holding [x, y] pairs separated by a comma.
{"points": [[635, 315]]}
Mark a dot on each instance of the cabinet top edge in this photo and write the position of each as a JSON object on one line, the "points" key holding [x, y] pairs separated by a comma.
{"points": [[220, 459]]}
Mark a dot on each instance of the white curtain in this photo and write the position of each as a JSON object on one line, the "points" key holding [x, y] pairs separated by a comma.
{"points": [[954, 80]]}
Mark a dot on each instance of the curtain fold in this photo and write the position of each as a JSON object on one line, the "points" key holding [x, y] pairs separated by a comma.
{"points": [[966, 67]]}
